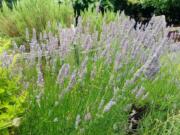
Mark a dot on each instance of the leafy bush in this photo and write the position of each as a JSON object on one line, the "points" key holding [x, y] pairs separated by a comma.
{"points": [[160, 5], [81, 5], [170, 8], [5, 44], [138, 9], [33, 14], [12, 97]]}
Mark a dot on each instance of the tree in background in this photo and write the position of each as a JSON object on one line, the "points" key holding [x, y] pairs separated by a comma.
{"points": [[170, 8]]}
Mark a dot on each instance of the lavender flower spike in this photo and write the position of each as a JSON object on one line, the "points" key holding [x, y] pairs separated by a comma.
{"points": [[40, 81], [109, 106], [140, 92], [63, 72], [72, 81]]}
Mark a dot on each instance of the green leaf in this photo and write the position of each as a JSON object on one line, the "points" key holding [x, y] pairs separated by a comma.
{"points": [[2, 91]]}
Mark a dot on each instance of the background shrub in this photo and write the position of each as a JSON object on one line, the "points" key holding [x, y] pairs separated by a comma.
{"points": [[5, 43], [33, 14], [168, 7], [12, 97], [141, 10], [9, 3]]}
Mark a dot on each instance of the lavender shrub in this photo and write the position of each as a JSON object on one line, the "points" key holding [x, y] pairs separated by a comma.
{"points": [[114, 64]]}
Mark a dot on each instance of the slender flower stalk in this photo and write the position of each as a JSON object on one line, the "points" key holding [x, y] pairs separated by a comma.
{"points": [[40, 80]]}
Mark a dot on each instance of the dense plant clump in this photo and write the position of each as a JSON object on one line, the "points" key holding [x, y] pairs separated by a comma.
{"points": [[91, 80], [33, 14]]}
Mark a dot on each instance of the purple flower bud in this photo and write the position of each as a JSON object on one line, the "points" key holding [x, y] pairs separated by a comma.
{"points": [[83, 68], [117, 64], [72, 81]]}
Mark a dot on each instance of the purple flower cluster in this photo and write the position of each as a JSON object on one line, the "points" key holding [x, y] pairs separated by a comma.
{"points": [[117, 45]]}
